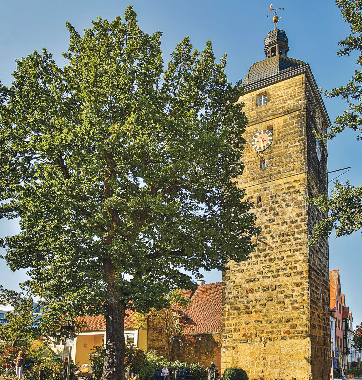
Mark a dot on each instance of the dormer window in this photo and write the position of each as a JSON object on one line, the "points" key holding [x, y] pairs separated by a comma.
{"points": [[262, 100]]}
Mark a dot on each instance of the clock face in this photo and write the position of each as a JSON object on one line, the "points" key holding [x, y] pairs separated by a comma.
{"points": [[318, 149], [262, 140]]}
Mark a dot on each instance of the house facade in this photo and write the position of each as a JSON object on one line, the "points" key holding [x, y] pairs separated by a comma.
{"points": [[190, 334], [93, 335], [336, 308]]}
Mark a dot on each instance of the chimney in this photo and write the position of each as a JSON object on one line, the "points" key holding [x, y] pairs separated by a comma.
{"points": [[200, 282]]}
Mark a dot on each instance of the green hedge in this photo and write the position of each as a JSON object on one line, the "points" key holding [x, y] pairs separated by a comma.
{"points": [[235, 374], [356, 371], [144, 365]]}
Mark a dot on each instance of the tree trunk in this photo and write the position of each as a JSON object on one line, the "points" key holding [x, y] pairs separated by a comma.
{"points": [[115, 311]]}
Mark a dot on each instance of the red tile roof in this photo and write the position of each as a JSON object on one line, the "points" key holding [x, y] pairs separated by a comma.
{"points": [[95, 323], [205, 310], [345, 312], [202, 316]]}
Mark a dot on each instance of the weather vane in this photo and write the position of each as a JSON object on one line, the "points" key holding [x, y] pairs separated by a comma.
{"points": [[275, 16]]}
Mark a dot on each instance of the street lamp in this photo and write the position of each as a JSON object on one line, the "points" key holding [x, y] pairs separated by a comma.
{"points": [[68, 331]]}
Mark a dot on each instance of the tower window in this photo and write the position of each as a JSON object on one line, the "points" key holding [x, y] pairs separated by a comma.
{"points": [[262, 164], [258, 199], [273, 51], [262, 100]]}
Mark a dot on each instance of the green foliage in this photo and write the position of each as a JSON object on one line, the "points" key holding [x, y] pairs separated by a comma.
{"points": [[41, 358], [357, 339], [22, 333], [121, 171], [156, 360], [235, 374], [97, 361], [138, 363], [343, 209], [195, 369], [22, 326], [8, 355], [113, 157], [351, 93], [356, 372], [38, 356]]}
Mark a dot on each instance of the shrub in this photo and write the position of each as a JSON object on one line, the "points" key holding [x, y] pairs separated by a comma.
{"points": [[196, 371], [138, 363], [96, 359], [356, 371], [157, 361], [141, 365], [9, 355], [235, 374], [40, 358]]}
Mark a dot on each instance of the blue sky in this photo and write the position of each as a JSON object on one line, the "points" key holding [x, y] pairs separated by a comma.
{"points": [[237, 27]]}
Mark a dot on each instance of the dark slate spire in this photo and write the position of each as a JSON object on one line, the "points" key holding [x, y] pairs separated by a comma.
{"points": [[271, 70], [276, 43], [277, 66]]}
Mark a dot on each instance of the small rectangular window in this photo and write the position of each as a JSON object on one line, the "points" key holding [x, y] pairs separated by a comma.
{"points": [[262, 100], [130, 338], [262, 164]]}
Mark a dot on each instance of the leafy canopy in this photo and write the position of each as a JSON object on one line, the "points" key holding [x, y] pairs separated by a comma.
{"points": [[115, 158], [344, 206], [22, 326]]}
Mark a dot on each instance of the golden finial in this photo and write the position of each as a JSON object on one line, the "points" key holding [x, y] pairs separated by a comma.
{"points": [[275, 18]]}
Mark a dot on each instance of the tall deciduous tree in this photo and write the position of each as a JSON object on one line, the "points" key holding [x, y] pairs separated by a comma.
{"points": [[344, 206], [121, 173]]}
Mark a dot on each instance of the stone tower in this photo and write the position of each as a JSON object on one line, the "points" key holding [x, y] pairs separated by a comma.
{"points": [[275, 304]]}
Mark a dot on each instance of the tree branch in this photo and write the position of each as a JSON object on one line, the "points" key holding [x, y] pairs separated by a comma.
{"points": [[170, 188], [60, 162], [107, 194], [179, 253]]}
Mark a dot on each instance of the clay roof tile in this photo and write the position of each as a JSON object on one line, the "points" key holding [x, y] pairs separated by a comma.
{"points": [[205, 310], [95, 323]]}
